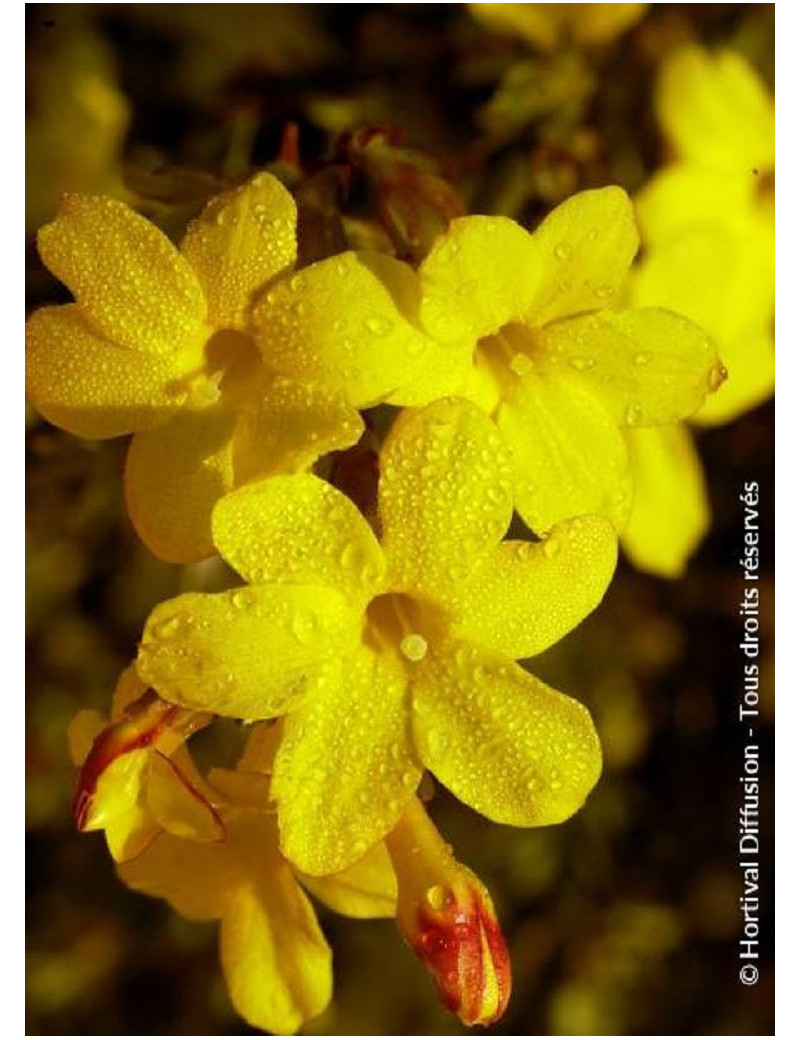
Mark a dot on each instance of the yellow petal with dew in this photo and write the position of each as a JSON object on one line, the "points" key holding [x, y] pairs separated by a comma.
{"points": [[670, 511], [583, 249], [131, 282], [346, 322], [174, 476], [241, 240], [367, 889], [513, 749], [84, 383], [480, 275], [344, 771], [569, 457], [248, 653], [649, 366], [714, 109], [527, 595], [445, 495], [288, 427], [130, 835], [194, 877], [177, 805], [274, 957], [298, 530]]}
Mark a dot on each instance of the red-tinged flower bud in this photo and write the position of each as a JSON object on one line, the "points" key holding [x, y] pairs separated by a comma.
{"points": [[148, 722], [446, 916]]}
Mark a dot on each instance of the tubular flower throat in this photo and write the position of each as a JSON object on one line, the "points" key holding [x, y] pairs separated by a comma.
{"points": [[387, 658], [524, 325], [159, 343], [708, 225], [446, 916], [276, 962]]}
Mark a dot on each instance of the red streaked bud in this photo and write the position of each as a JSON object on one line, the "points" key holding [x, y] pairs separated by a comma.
{"points": [[446, 915], [148, 722]]}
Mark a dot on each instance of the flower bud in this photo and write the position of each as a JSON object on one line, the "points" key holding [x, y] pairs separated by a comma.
{"points": [[445, 914]]}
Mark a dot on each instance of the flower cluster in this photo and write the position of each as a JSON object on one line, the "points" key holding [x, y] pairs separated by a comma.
{"points": [[375, 636]]}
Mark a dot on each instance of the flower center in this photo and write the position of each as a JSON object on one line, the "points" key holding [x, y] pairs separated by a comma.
{"points": [[509, 354], [396, 622], [231, 367]]}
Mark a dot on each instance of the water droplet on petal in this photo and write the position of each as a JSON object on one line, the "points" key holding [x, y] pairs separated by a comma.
{"points": [[604, 292], [717, 376], [414, 647], [633, 414], [437, 897], [563, 251], [521, 364], [643, 358]]}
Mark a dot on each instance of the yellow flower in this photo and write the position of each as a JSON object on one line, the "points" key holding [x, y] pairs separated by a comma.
{"points": [[159, 344], [446, 916], [393, 656], [276, 961], [136, 778], [545, 25], [523, 324], [708, 224]]}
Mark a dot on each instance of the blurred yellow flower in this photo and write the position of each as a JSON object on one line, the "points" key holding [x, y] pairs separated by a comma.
{"points": [[393, 656], [708, 224], [158, 343], [546, 25], [522, 324]]}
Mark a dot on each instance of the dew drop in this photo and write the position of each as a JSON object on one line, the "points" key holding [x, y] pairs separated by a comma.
{"points": [[643, 358], [377, 325], [604, 292], [521, 364], [717, 376], [633, 414], [414, 647], [563, 251], [437, 897]]}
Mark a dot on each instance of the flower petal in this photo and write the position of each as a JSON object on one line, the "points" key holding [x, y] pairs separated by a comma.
{"points": [[290, 426], [445, 495], [247, 653], [193, 877], [649, 366], [241, 240], [81, 733], [129, 279], [174, 476], [298, 529], [275, 959], [714, 109], [368, 888], [526, 596], [177, 805], [88, 385], [480, 275], [670, 511], [583, 249], [510, 747], [344, 772], [569, 455], [346, 322]]}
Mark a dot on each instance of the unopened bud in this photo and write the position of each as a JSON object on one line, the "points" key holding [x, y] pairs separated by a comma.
{"points": [[445, 914]]}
